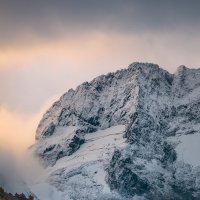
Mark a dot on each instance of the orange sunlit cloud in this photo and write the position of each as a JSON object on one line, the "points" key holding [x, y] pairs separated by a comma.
{"points": [[17, 130], [100, 49], [82, 50]]}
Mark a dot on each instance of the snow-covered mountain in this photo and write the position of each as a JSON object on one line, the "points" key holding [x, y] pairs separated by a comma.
{"points": [[132, 134]]}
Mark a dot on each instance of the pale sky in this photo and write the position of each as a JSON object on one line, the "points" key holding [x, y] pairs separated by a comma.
{"points": [[48, 47]]}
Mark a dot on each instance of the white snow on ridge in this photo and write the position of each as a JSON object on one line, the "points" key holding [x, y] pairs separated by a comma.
{"points": [[60, 134], [98, 145], [92, 156]]}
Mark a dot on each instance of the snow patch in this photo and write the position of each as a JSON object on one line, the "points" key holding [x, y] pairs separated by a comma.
{"points": [[188, 149]]}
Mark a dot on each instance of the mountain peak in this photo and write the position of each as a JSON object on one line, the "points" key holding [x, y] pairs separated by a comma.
{"points": [[143, 65], [88, 103], [122, 128]]}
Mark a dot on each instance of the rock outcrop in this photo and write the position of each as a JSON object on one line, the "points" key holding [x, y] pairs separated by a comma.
{"points": [[8, 196]]}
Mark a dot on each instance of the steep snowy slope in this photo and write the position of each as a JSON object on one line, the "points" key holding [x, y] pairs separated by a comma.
{"points": [[82, 174], [123, 135]]}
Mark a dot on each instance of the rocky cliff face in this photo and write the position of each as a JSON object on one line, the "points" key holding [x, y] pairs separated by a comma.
{"points": [[116, 137]]}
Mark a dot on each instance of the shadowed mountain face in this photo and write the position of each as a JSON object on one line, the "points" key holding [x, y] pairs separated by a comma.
{"points": [[120, 135]]}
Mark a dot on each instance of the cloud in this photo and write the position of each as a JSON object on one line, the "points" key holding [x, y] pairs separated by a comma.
{"points": [[17, 130], [29, 75], [29, 20]]}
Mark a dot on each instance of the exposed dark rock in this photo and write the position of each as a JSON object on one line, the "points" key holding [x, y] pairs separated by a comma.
{"points": [[49, 131], [66, 147], [121, 176], [8, 196]]}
